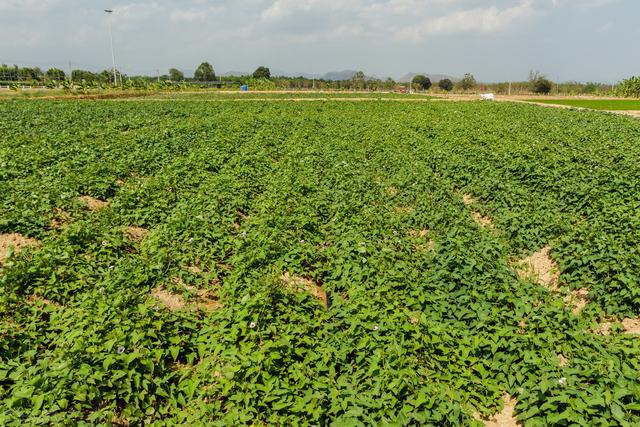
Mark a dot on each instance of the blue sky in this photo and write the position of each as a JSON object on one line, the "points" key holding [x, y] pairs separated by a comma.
{"points": [[585, 40]]}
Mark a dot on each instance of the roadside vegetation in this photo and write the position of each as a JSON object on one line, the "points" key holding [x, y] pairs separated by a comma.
{"points": [[595, 104], [205, 77]]}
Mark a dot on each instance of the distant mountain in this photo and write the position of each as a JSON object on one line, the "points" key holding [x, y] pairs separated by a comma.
{"points": [[236, 73], [274, 73], [435, 78], [281, 73], [339, 75]]}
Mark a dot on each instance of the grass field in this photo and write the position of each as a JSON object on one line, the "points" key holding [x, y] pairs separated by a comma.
{"points": [[211, 95], [345, 263], [595, 104]]}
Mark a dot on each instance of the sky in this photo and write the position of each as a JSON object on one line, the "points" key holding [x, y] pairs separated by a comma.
{"points": [[582, 40]]}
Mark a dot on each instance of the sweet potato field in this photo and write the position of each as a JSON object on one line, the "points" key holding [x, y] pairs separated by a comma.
{"points": [[322, 263]]}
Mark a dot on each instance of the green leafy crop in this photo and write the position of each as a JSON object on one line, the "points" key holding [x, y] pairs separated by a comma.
{"points": [[428, 321]]}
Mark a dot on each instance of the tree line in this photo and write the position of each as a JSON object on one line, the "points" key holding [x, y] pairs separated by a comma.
{"points": [[262, 78]]}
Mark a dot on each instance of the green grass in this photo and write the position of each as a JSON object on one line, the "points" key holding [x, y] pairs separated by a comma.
{"points": [[428, 321], [229, 94], [594, 104]]}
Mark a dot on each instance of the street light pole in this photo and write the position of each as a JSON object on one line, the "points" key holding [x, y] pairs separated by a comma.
{"points": [[113, 56]]}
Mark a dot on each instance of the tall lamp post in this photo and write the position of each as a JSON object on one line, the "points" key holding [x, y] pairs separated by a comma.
{"points": [[113, 56]]}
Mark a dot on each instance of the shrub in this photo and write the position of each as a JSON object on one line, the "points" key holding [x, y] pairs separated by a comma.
{"points": [[629, 87], [541, 85], [260, 84], [423, 82], [468, 82], [262, 73], [445, 84]]}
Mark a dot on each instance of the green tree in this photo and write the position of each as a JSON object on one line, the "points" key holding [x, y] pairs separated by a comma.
{"points": [[629, 87], [262, 73], [204, 73], [105, 76], [542, 86], [176, 75], [423, 82], [468, 82], [539, 82], [389, 84], [445, 84], [79, 75], [9, 73], [55, 74], [31, 73]]}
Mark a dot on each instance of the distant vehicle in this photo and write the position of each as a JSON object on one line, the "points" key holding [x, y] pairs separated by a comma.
{"points": [[487, 96]]}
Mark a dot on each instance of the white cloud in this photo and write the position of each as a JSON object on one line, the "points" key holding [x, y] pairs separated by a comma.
{"points": [[376, 35], [481, 20]]}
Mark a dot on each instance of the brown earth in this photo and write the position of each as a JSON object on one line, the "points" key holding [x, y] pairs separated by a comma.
{"points": [[506, 417], [194, 269], [17, 242], [301, 284], [60, 218], [204, 300], [402, 209], [93, 204], [481, 220], [629, 326], [468, 199], [173, 302], [35, 299], [418, 233], [541, 267], [136, 234], [562, 361], [578, 300]]}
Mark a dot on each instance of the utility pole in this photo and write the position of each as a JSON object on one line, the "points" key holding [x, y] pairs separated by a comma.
{"points": [[509, 87], [113, 56], [158, 71], [70, 71]]}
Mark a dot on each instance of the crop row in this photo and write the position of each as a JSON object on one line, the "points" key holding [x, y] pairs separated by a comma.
{"points": [[426, 319]]}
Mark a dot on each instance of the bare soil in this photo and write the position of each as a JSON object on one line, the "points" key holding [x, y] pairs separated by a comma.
{"points": [[94, 204], [194, 269], [481, 220], [301, 284], [403, 209], [36, 299], [419, 233], [506, 417], [578, 300], [541, 267], [204, 300], [173, 302], [17, 242], [468, 199], [136, 234], [562, 361], [629, 326], [60, 218]]}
